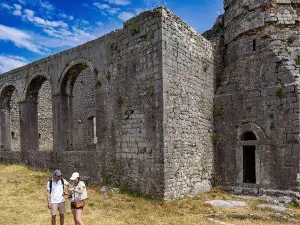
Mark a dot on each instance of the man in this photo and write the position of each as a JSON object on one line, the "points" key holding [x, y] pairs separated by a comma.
{"points": [[55, 196]]}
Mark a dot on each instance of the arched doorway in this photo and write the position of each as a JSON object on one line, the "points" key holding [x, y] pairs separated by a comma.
{"points": [[78, 106], [9, 119], [36, 119], [249, 142]]}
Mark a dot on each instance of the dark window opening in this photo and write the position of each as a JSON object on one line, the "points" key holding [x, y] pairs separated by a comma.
{"points": [[254, 44], [12, 135], [248, 136], [249, 164], [40, 136]]}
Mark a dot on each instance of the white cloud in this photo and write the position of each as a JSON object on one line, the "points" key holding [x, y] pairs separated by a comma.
{"points": [[107, 8], [101, 6], [19, 38], [125, 15], [8, 62], [84, 22], [119, 2], [63, 15], [99, 23], [155, 3], [113, 11], [46, 5], [18, 8], [29, 15], [22, 2], [65, 37], [6, 6], [17, 13]]}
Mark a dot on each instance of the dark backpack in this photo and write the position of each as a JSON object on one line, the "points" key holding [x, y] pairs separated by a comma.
{"points": [[63, 184]]}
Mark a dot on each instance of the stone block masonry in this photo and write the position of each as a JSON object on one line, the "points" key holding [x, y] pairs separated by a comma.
{"points": [[257, 100], [158, 109], [132, 108], [188, 108]]}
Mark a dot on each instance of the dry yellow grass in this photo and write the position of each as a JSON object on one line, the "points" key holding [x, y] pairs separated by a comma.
{"points": [[23, 202]]}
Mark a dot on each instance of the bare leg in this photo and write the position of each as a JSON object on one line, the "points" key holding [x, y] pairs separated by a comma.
{"points": [[79, 217], [62, 219], [53, 220], [74, 215]]}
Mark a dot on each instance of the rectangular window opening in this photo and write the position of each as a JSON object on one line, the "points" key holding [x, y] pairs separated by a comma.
{"points": [[254, 44], [93, 129]]}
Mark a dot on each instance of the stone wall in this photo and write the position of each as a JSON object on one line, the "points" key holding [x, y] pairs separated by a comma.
{"points": [[135, 107], [84, 111], [188, 107], [45, 118], [130, 109], [118, 80], [260, 93], [15, 122]]}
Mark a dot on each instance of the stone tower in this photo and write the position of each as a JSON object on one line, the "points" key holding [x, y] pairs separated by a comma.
{"points": [[257, 64]]}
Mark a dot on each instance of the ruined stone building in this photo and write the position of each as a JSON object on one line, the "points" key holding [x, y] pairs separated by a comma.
{"points": [[164, 111]]}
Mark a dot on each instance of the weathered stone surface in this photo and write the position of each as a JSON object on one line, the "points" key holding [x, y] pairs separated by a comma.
{"points": [[161, 110], [219, 222], [133, 108], [273, 207], [257, 83], [226, 204]]}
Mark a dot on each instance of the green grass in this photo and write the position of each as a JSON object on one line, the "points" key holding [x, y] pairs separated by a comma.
{"points": [[23, 202]]}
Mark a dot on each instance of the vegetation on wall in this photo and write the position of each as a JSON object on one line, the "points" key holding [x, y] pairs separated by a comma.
{"points": [[280, 91]]}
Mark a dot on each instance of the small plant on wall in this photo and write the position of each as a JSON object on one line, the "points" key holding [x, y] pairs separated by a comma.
{"points": [[280, 91], [292, 39], [215, 138], [272, 125], [219, 79], [219, 111], [205, 65], [98, 84], [134, 27]]}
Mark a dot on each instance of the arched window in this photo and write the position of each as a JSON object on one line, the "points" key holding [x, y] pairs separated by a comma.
{"points": [[248, 136]]}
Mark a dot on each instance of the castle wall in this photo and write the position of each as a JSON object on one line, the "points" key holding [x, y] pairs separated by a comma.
{"points": [[129, 107], [260, 93], [118, 80], [135, 107], [188, 106]]}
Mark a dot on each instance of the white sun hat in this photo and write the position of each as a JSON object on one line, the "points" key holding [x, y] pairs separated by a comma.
{"points": [[74, 176]]}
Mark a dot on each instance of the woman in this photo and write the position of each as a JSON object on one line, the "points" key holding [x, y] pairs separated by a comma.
{"points": [[79, 193]]}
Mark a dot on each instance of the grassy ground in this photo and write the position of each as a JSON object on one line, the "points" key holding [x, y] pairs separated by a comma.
{"points": [[23, 202]]}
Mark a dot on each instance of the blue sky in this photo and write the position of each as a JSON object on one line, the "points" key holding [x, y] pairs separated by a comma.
{"points": [[33, 29]]}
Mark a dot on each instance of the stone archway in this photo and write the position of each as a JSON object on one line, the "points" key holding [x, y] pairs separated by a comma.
{"points": [[250, 139], [77, 106], [34, 123], [9, 118]]}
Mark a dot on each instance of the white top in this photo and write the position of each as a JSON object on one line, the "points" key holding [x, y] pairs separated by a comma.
{"points": [[57, 191], [77, 197]]}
